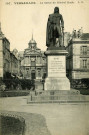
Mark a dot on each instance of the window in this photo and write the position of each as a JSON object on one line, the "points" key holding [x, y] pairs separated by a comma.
{"points": [[27, 69], [39, 72], [85, 63], [38, 60], [84, 50], [33, 63], [44, 61]]}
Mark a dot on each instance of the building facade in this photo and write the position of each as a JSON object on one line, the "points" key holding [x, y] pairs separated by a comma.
{"points": [[78, 58], [33, 64], [8, 60], [13, 64], [4, 55]]}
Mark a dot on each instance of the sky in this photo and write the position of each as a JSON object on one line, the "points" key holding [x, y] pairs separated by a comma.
{"points": [[19, 21]]}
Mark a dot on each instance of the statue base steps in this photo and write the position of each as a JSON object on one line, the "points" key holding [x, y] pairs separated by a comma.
{"points": [[57, 96]]}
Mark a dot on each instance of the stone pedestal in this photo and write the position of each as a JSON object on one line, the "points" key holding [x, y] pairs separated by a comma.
{"points": [[57, 85], [38, 85], [56, 70]]}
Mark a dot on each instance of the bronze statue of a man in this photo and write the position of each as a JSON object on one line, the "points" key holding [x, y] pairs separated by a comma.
{"points": [[55, 28]]}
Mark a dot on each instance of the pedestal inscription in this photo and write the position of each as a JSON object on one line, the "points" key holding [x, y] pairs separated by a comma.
{"points": [[56, 71], [56, 66]]}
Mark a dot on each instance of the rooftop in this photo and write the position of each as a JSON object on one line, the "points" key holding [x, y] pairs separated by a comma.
{"points": [[85, 36]]}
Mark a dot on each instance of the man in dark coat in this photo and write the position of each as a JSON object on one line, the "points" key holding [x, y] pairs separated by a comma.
{"points": [[55, 27]]}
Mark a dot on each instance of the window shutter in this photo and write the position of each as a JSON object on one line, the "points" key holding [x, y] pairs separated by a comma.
{"points": [[87, 50], [88, 64], [81, 63]]}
